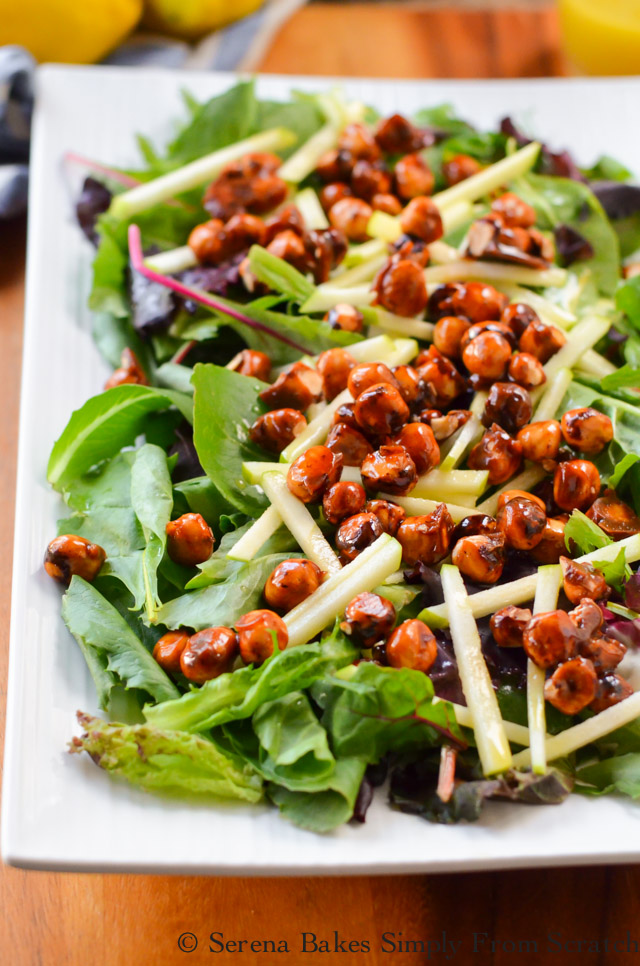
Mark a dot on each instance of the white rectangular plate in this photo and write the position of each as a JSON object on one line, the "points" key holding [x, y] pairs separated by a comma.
{"points": [[64, 813]]}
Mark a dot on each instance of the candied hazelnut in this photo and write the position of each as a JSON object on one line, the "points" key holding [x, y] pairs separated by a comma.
{"points": [[397, 135], [508, 624], [540, 441], [459, 168], [507, 495], [448, 333], [325, 248], [313, 473], [276, 429], [445, 426], [381, 410], [576, 484], [480, 557], [334, 166], [480, 328], [368, 618], [391, 469], [587, 617], [426, 538], [522, 522], [611, 689], [412, 645], [369, 178], [498, 453], [572, 686], [421, 219], [541, 340], [387, 203], [334, 366], [256, 632], [350, 443], [582, 580], [508, 405], [605, 653], [413, 177], [288, 218], [366, 374], [291, 582], [343, 500], [474, 524], [295, 388], [615, 517], [289, 246], [345, 317], [357, 141], [208, 654], [526, 370], [129, 372], [477, 301], [246, 184], [205, 241], [331, 193], [442, 377], [351, 215], [389, 514], [70, 555], [552, 545], [411, 385], [421, 445], [168, 649], [550, 638], [401, 288], [487, 355], [251, 362], [587, 429], [515, 212], [189, 539], [518, 316], [356, 533]]}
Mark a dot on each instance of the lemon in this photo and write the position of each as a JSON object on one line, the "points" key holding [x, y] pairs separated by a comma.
{"points": [[68, 31], [194, 18]]}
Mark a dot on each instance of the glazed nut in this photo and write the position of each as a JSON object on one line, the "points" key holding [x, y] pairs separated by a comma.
{"points": [[526, 370], [247, 184], [205, 241], [168, 649], [611, 689], [345, 317], [381, 410], [368, 618], [441, 377], [508, 405], [387, 203], [189, 539], [576, 484], [522, 522], [615, 517], [587, 617], [572, 686], [287, 218], [552, 545], [508, 624], [421, 219], [541, 440], [481, 557], [550, 638], [369, 178], [350, 443], [582, 580], [129, 372], [541, 340], [412, 386], [313, 473], [351, 215], [251, 362], [518, 316], [334, 365], [295, 388], [357, 141], [421, 445], [605, 653], [397, 135], [474, 524], [401, 288], [356, 533], [331, 193], [390, 469], [476, 301], [289, 246], [426, 538], [507, 495], [256, 633], [413, 177], [412, 645], [367, 374], [343, 500], [448, 334], [459, 168], [586, 429], [69, 555], [208, 654], [325, 248], [291, 582], [498, 453], [515, 212], [390, 515], [445, 426], [274, 431], [487, 355]]}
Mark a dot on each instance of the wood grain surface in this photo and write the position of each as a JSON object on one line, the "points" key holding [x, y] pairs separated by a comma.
{"points": [[46, 919]]}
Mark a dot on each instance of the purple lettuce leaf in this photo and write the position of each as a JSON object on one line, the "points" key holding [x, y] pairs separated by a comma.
{"points": [[93, 201]]}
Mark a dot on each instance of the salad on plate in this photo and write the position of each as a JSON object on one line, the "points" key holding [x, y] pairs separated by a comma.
{"points": [[359, 505]]}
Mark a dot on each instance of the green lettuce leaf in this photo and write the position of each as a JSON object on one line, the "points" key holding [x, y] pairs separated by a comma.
{"points": [[584, 533], [383, 709], [220, 567], [239, 694], [322, 811], [110, 646], [152, 502], [620, 773], [166, 761]]}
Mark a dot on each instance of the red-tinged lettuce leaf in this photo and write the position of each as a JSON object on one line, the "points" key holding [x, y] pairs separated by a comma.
{"points": [[632, 592], [571, 246], [93, 201], [177, 763]]}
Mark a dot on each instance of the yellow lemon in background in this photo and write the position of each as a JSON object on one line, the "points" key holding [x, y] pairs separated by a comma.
{"points": [[68, 31], [194, 18]]}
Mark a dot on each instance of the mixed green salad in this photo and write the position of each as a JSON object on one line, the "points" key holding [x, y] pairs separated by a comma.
{"points": [[359, 505]]}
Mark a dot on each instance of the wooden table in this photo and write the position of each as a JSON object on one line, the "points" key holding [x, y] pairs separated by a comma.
{"points": [[94, 920]]}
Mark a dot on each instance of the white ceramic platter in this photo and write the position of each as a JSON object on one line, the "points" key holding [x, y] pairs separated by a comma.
{"points": [[61, 812]]}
